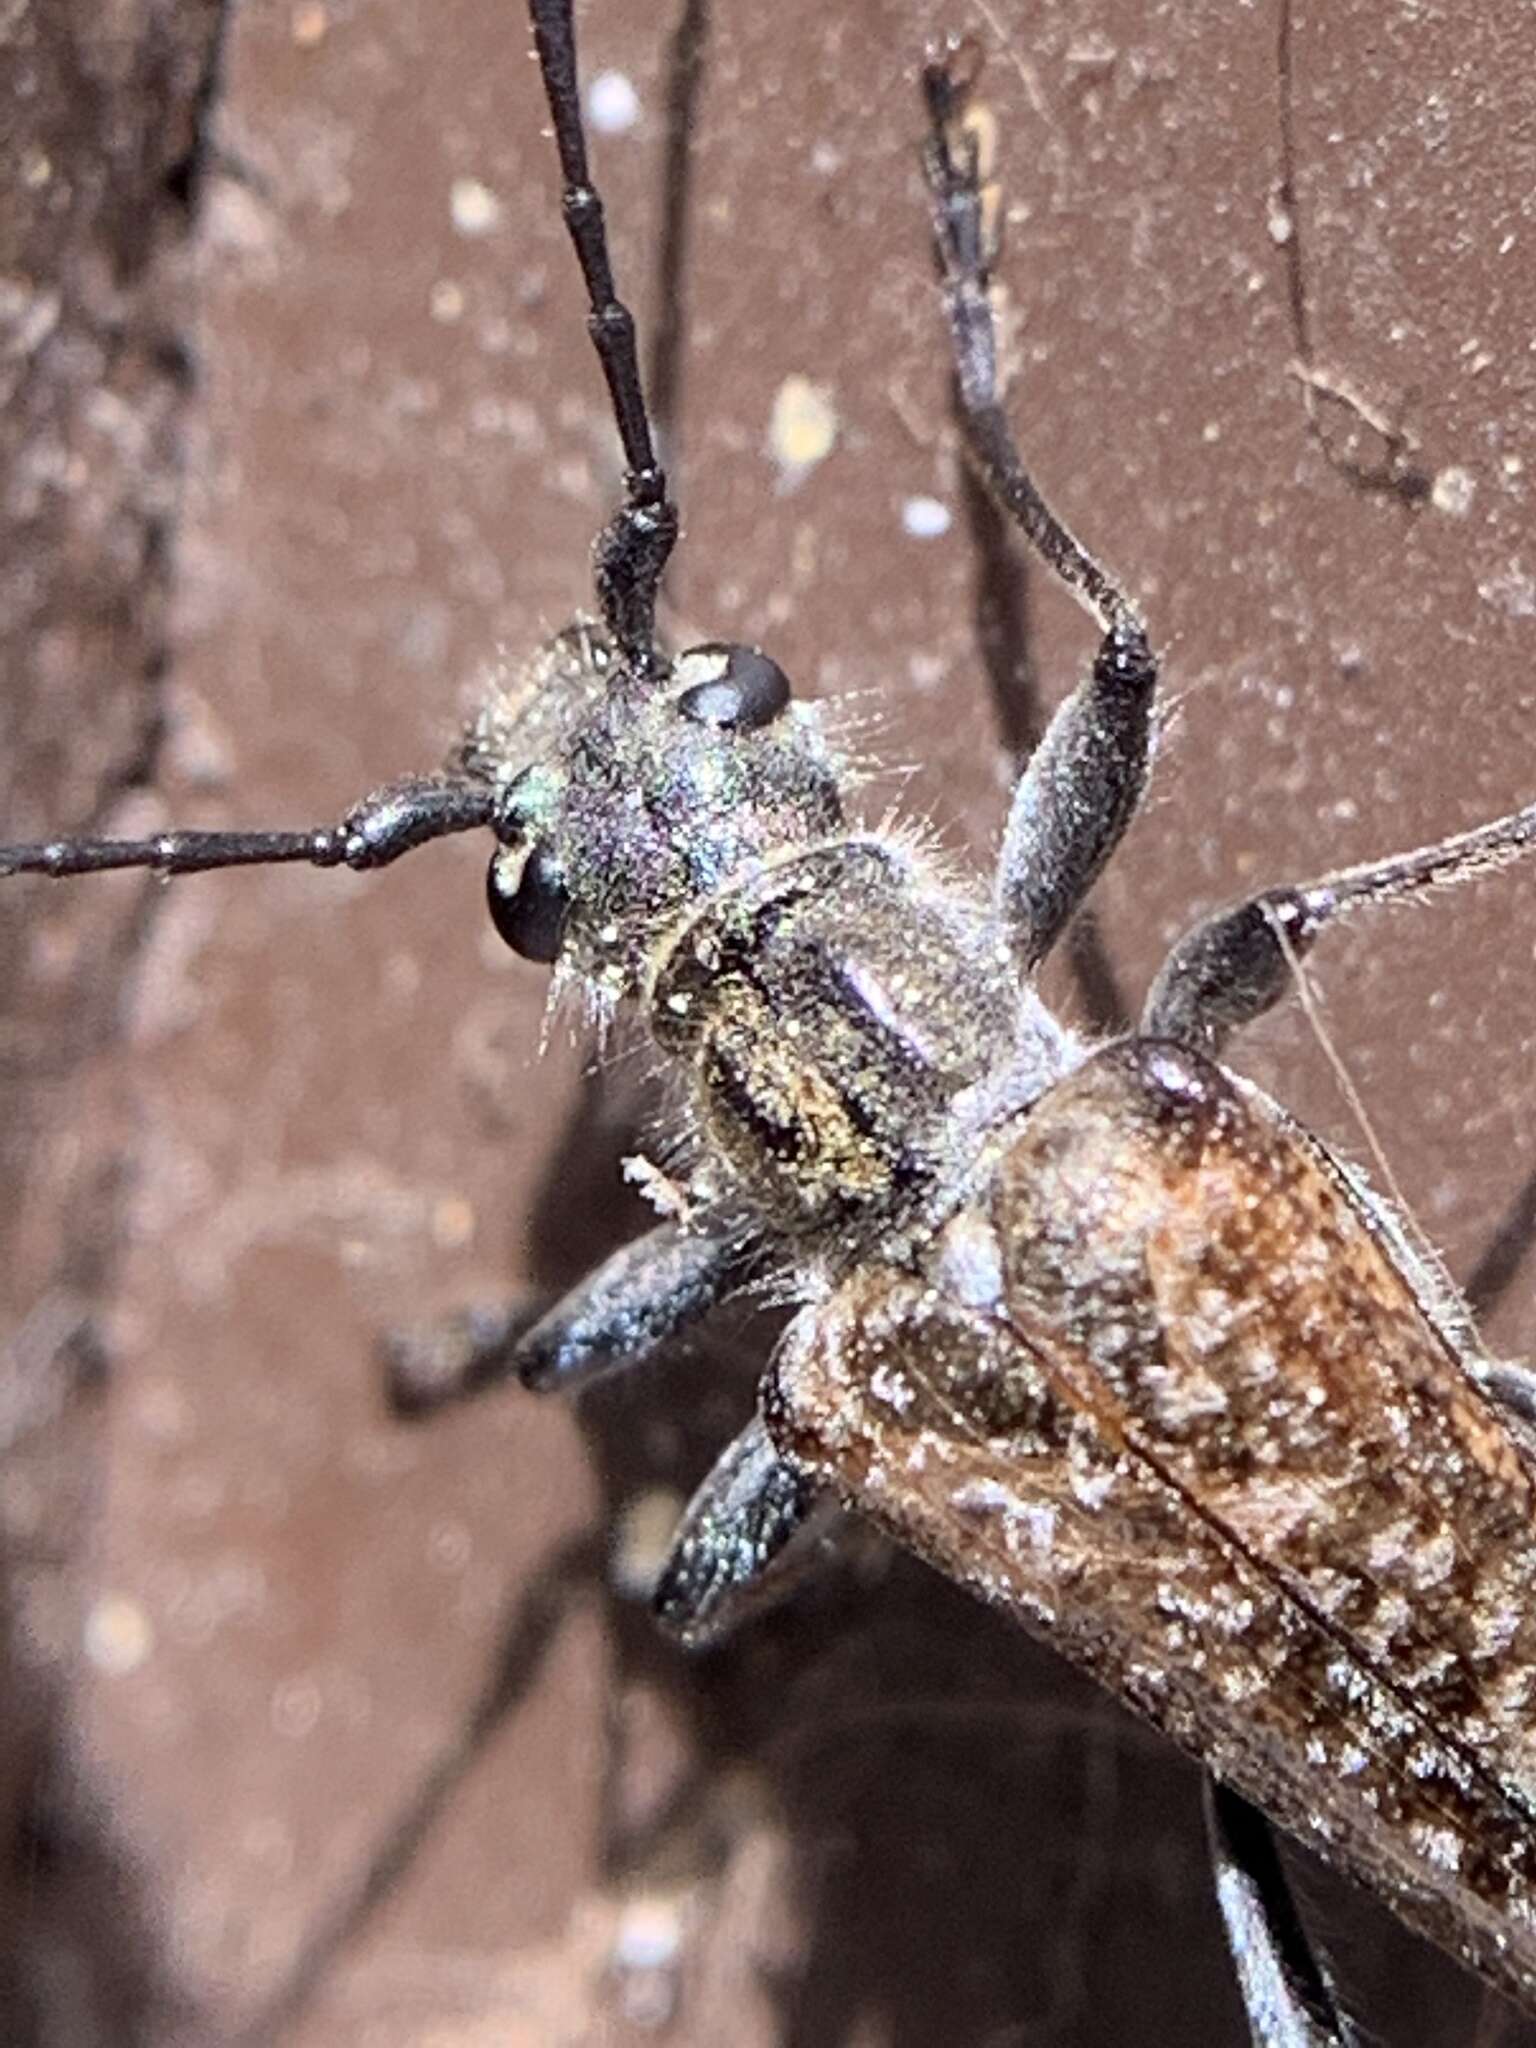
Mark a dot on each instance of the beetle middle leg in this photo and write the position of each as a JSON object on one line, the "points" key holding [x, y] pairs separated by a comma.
{"points": [[1228, 970]]}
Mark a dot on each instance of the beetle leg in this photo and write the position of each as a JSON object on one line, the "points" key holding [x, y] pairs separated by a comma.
{"points": [[746, 1538], [1284, 1982], [619, 1315], [1238, 963]]}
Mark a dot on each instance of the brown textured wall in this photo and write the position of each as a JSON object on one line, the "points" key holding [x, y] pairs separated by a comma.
{"points": [[99, 165], [379, 1759]]}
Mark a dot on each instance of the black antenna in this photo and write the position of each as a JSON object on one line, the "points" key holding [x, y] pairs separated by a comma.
{"points": [[960, 235], [631, 552], [392, 821], [629, 556]]}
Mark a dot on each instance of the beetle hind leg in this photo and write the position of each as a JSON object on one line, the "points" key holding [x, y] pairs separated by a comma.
{"points": [[1285, 1985]]}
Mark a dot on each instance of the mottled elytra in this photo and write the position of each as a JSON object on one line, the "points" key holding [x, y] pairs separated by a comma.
{"points": [[1098, 1330]]}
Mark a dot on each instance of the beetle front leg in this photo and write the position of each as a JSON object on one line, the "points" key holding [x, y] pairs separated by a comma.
{"points": [[620, 1314]]}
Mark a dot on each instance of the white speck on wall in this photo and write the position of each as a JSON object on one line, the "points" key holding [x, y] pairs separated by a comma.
{"points": [[802, 429], [649, 1935], [642, 1542], [310, 26], [925, 518], [1512, 590], [453, 1223], [446, 301], [1452, 492], [118, 1636], [473, 207], [613, 105], [646, 1954]]}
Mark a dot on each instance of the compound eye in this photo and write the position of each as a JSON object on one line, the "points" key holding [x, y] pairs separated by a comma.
{"points": [[741, 688], [529, 906]]}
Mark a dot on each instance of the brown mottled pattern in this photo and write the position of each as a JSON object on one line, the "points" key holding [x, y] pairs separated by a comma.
{"points": [[1210, 1445], [1286, 1377]]}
